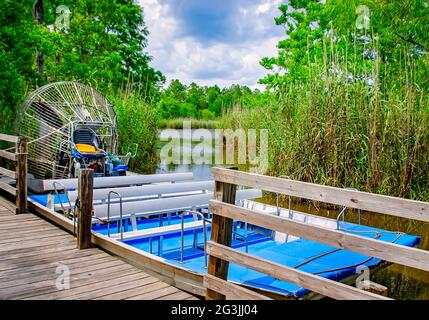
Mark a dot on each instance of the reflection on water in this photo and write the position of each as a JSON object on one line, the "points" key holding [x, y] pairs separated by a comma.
{"points": [[403, 282], [187, 145]]}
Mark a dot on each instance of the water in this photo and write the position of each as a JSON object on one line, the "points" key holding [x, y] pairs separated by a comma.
{"points": [[403, 282], [187, 145]]}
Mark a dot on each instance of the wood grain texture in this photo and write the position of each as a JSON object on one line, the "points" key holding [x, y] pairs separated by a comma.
{"points": [[399, 207], [231, 291], [221, 233], [32, 251], [392, 252], [8, 173], [8, 155], [21, 175], [8, 138], [8, 188], [84, 209], [314, 283]]}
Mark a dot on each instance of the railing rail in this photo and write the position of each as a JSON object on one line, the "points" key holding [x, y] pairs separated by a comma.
{"points": [[225, 211], [19, 157], [120, 214], [182, 234], [399, 207]]}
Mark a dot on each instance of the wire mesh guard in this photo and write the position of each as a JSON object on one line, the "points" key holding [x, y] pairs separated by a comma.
{"points": [[51, 115]]}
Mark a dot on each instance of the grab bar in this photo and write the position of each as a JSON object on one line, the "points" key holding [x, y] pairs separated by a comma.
{"points": [[343, 212], [58, 194], [246, 240], [72, 208], [182, 235], [120, 214]]}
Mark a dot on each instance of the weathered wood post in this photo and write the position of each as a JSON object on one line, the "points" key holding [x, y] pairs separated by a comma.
{"points": [[84, 209], [21, 175], [375, 288], [222, 234]]}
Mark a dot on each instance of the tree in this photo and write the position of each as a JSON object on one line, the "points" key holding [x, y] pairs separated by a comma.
{"points": [[105, 43], [18, 38], [312, 26]]}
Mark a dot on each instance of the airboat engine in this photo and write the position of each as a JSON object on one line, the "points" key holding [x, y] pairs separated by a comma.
{"points": [[70, 126]]}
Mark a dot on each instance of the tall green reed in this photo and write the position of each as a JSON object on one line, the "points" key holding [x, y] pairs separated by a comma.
{"points": [[356, 122]]}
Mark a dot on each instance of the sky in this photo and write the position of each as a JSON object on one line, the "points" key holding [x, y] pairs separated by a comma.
{"points": [[212, 41]]}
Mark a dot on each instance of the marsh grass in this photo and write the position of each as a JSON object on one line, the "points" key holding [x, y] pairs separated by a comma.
{"points": [[337, 129], [137, 122]]}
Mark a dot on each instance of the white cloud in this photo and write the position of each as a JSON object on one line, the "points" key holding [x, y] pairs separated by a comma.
{"points": [[225, 63]]}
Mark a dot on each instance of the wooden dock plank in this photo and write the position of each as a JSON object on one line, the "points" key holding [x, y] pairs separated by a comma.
{"points": [[126, 294], [47, 290], [43, 276], [31, 249], [156, 294]]}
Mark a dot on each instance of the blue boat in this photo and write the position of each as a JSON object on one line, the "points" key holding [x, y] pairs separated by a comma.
{"points": [[171, 223]]}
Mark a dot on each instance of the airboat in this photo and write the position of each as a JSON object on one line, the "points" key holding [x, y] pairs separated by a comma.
{"points": [[165, 218], [71, 126]]}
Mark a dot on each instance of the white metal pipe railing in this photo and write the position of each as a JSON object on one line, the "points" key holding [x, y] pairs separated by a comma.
{"points": [[182, 234], [120, 214]]}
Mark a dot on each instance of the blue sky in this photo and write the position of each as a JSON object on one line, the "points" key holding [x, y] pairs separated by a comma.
{"points": [[212, 41]]}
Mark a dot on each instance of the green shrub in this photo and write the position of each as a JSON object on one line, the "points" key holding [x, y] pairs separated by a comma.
{"points": [[137, 123]]}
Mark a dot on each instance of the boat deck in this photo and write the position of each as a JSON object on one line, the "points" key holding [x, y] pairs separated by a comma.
{"points": [[35, 257]]}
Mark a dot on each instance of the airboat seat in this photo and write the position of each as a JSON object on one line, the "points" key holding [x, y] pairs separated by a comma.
{"points": [[87, 149], [86, 146]]}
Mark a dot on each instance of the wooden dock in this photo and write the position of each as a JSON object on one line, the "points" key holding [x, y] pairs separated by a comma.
{"points": [[35, 257]]}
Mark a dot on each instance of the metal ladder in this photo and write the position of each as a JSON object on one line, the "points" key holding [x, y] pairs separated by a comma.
{"points": [[71, 209], [120, 214], [182, 234], [205, 220]]}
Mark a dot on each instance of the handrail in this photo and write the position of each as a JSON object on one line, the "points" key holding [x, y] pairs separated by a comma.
{"points": [[393, 206], [20, 157], [182, 234], [120, 213], [339, 215], [343, 212], [71, 207], [55, 183]]}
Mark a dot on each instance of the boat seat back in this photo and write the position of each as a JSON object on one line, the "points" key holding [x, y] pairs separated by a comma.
{"points": [[85, 137]]}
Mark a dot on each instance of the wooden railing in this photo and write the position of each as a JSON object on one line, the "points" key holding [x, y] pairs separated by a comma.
{"points": [[19, 157], [224, 211]]}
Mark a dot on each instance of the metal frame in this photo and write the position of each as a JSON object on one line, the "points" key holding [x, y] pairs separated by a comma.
{"points": [[48, 118], [182, 235], [120, 214]]}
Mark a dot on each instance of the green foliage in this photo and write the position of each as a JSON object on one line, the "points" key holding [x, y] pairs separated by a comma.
{"points": [[103, 47], [193, 101], [137, 123], [313, 28], [347, 136], [351, 106], [16, 57]]}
